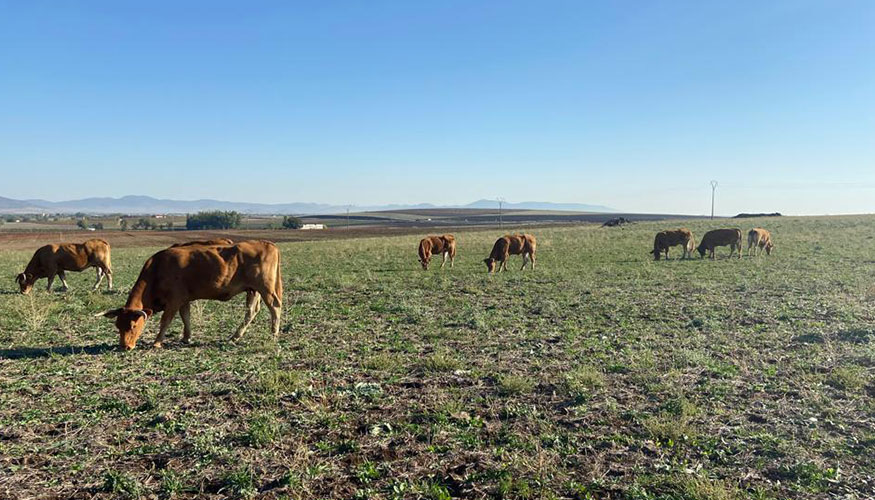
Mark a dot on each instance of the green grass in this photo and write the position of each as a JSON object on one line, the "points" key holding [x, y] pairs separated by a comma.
{"points": [[602, 374]]}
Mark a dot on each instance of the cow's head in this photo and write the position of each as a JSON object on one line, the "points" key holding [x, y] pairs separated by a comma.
{"points": [[25, 282], [701, 249], [490, 264], [424, 263], [769, 247], [130, 324], [655, 253]]}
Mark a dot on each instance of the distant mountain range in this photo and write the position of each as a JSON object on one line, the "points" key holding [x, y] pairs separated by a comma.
{"points": [[149, 205]]}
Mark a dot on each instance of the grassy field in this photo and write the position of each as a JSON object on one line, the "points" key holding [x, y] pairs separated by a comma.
{"points": [[602, 374]]}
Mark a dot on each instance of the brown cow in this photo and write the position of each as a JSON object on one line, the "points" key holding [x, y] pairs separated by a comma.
{"points": [[720, 238], [171, 279], [213, 242], [52, 260], [444, 245], [759, 239], [666, 239], [514, 244]]}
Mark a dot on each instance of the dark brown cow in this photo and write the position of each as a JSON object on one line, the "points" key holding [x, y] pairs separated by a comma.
{"points": [[171, 279], [667, 239], [444, 245], [720, 238], [515, 244], [759, 239], [213, 242], [52, 260]]}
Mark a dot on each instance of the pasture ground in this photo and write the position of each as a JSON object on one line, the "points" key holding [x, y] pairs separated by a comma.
{"points": [[602, 374]]}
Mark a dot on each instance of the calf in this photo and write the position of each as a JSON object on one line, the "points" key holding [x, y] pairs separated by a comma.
{"points": [[759, 239], [52, 260], [666, 239], [171, 279], [444, 245], [516, 244], [720, 238]]}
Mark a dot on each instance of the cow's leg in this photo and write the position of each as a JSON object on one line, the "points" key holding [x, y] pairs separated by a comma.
{"points": [[444, 261], [166, 319], [63, 278], [185, 314], [99, 277], [252, 306], [276, 309], [532, 260], [108, 273], [51, 279], [524, 261]]}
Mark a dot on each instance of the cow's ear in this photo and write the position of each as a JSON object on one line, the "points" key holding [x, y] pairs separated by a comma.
{"points": [[112, 313], [148, 312]]}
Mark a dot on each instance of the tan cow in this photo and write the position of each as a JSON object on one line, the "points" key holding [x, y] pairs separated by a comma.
{"points": [[444, 245], [514, 244], [52, 260], [720, 238], [759, 239], [213, 242], [667, 239], [171, 279]]}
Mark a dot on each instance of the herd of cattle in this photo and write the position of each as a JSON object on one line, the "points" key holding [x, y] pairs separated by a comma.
{"points": [[220, 269]]}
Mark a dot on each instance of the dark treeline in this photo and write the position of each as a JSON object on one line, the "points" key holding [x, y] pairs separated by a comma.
{"points": [[213, 220]]}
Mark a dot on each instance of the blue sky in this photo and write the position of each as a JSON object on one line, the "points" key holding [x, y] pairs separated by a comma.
{"points": [[635, 105]]}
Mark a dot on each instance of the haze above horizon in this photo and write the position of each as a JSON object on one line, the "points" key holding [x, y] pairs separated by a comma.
{"points": [[630, 105]]}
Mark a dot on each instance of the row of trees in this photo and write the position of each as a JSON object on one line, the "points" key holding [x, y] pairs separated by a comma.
{"points": [[216, 219]]}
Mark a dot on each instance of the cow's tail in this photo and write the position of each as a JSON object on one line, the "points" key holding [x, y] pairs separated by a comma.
{"points": [[277, 295]]}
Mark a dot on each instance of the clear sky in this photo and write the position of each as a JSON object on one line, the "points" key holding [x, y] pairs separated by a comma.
{"points": [[632, 104]]}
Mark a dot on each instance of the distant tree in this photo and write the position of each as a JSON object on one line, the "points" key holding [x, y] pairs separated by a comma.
{"points": [[290, 222], [213, 220], [170, 225], [98, 226], [123, 224], [82, 224], [144, 224]]}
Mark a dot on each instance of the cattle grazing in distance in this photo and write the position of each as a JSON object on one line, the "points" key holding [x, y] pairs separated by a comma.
{"points": [[53, 260], [515, 244], [213, 242], [759, 239], [720, 238], [172, 278], [444, 245], [667, 239]]}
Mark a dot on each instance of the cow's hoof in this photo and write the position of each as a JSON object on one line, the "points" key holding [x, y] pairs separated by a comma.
{"points": [[157, 345]]}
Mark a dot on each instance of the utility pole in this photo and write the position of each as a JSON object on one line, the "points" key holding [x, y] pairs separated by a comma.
{"points": [[713, 189], [347, 217], [500, 203]]}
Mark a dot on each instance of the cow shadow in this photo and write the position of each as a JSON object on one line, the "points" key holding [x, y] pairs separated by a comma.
{"points": [[45, 352]]}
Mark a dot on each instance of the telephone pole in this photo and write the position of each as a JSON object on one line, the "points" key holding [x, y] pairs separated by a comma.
{"points": [[347, 217], [713, 189], [500, 203]]}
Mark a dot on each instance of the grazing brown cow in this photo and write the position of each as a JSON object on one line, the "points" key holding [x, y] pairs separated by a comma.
{"points": [[720, 238], [514, 244], [759, 239], [444, 245], [171, 279], [213, 242], [52, 260], [666, 239]]}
